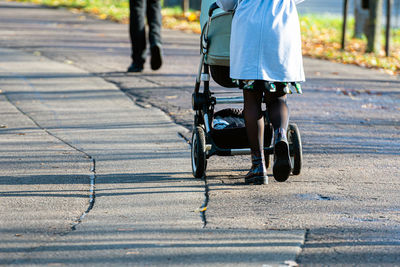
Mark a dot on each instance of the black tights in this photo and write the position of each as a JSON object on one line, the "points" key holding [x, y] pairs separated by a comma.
{"points": [[278, 113]]}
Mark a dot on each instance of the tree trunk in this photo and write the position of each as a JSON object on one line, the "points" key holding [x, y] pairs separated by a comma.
{"points": [[361, 18], [185, 6], [374, 28], [388, 25]]}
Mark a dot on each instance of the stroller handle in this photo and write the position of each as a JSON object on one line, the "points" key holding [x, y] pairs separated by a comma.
{"points": [[213, 7]]}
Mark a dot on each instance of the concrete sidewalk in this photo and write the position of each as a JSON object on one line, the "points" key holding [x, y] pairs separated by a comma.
{"points": [[346, 196], [60, 121]]}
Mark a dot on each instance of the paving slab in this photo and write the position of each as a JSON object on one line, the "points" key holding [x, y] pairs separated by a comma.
{"points": [[45, 183]]}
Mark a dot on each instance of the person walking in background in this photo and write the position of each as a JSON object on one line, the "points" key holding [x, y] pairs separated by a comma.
{"points": [[139, 9], [265, 58]]}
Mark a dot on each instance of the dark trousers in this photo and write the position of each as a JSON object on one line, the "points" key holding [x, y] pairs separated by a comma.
{"points": [[137, 28]]}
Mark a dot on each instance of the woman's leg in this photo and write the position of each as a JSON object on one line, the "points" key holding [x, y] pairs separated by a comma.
{"points": [[255, 133], [254, 121], [278, 113]]}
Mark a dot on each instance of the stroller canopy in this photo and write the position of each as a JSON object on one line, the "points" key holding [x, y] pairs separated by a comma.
{"points": [[219, 34], [205, 7]]}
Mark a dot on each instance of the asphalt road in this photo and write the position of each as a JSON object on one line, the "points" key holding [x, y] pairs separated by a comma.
{"points": [[346, 199]]}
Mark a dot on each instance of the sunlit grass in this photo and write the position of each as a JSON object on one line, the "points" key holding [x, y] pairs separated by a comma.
{"points": [[322, 39]]}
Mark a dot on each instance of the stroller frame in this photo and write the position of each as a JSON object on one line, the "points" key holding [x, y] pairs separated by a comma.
{"points": [[203, 103]]}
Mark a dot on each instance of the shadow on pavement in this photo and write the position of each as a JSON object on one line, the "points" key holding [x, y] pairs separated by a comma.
{"points": [[162, 246]]}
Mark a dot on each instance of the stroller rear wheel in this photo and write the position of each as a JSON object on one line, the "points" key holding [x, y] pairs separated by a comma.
{"points": [[296, 151], [267, 138], [198, 152]]}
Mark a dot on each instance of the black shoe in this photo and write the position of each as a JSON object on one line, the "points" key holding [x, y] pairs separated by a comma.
{"points": [[156, 57], [282, 165], [257, 173], [134, 67]]}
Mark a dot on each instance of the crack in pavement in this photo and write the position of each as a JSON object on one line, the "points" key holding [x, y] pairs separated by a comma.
{"points": [[92, 191], [143, 103], [203, 208], [137, 99], [92, 195]]}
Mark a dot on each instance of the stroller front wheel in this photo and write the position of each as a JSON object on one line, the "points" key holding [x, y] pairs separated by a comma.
{"points": [[198, 152]]}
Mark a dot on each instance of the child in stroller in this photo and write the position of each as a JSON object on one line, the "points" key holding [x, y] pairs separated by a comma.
{"points": [[265, 60]]}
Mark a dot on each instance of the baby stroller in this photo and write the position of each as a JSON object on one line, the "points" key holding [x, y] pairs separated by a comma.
{"points": [[208, 140]]}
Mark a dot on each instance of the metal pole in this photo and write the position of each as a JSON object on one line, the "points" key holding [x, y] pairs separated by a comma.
{"points": [[388, 19], [345, 9]]}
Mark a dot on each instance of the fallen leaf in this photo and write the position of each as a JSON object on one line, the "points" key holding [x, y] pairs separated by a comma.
{"points": [[201, 209], [103, 16], [95, 10], [192, 17]]}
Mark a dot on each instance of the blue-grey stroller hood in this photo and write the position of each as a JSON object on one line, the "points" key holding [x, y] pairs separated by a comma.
{"points": [[219, 34]]}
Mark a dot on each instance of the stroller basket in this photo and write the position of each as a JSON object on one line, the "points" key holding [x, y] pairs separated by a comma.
{"points": [[235, 137]]}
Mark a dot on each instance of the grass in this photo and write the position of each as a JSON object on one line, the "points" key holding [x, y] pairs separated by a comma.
{"points": [[321, 34], [322, 39]]}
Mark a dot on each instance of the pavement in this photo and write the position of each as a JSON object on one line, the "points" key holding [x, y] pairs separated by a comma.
{"points": [[69, 130], [96, 167]]}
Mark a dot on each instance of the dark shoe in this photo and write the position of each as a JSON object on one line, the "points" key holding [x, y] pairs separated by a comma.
{"points": [[156, 57], [257, 173], [282, 165], [134, 67]]}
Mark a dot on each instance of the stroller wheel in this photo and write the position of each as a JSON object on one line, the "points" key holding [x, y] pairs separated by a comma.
{"points": [[267, 160], [198, 153], [296, 151]]}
